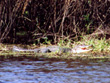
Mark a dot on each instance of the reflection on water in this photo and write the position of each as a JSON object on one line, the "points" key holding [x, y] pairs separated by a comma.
{"points": [[42, 71]]}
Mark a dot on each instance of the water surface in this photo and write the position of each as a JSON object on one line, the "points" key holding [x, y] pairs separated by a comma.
{"points": [[48, 71]]}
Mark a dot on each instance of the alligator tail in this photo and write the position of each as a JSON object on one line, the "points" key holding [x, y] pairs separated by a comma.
{"points": [[18, 49]]}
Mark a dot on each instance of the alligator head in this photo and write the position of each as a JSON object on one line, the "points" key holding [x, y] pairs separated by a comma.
{"points": [[82, 49]]}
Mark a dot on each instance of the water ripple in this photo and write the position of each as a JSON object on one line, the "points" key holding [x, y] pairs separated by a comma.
{"points": [[53, 72]]}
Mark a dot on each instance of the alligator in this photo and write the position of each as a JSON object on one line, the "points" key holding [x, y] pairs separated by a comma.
{"points": [[76, 49]]}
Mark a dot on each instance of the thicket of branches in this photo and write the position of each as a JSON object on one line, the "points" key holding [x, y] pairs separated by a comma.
{"points": [[53, 19]]}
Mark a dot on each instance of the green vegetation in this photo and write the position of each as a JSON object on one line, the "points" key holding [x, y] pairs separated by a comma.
{"points": [[56, 22]]}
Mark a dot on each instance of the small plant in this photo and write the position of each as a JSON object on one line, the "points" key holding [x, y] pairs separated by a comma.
{"points": [[46, 41], [88, 23], [65, 42], [86, 17], [101, 45], [26, 13], [61, 42]]}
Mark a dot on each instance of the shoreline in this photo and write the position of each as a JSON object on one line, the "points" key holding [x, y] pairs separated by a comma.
{"points": [[100, 51], [63, 56]]}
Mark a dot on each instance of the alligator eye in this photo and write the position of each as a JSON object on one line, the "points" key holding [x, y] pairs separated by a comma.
{"points": [[83, 48]]}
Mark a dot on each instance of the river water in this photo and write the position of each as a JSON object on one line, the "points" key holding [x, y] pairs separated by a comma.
{"points": [[53, 71]]}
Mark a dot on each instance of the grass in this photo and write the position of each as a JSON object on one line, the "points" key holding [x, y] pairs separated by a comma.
{"points": [[100, 50]]}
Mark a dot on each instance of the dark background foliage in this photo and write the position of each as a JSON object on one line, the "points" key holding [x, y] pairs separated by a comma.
{"points": [[31, 21]]}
